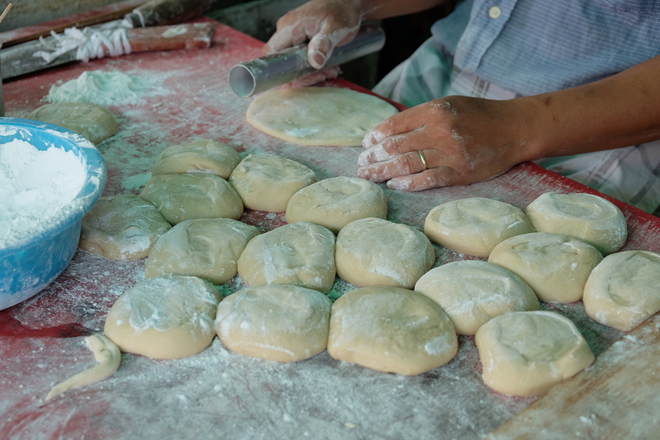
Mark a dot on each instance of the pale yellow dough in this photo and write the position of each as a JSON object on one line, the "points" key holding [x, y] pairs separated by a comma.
{"points": [[624, 289], [199, 156], [526, 353], [123, 227], [318, 115], [205, 248], [391, 329], [336, 202], [88, 120], [279, 323]]}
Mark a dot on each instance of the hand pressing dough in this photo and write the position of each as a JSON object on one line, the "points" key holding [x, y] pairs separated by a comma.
{"points": [[624, 289], [265, 183], [279, 323], [318, 115], [526, 353], [476, 225], [123, 227], [301, 254], [336, 202], [376, 252], [391, 329], [200, 156], [167, 317], [107, 355], [555, 266], [474, 292], [182, 197], [583, 216], [88, 120], [205, 248]]}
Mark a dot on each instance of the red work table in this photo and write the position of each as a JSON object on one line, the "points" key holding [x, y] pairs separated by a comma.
{"points": [[220, 394]]}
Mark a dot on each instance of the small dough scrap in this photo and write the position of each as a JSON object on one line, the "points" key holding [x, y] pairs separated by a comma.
{"points": [[476, 225], [336, 202], [391, 329], [473, 292], [107, 355], [624, 289], [200, 156], [376, 252], [168, 317], [318, 115], [301, 254], [278, 323], [266, 183], [526, 353], [123, 227], [88, 120], [586, 217], [182, 197], [555, 266], [206, 248]]}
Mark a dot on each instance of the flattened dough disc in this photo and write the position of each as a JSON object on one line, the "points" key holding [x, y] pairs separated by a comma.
{"points": [[318, 115]]}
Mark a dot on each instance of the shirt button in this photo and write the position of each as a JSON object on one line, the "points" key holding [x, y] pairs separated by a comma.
{"points": [[494, 12]]}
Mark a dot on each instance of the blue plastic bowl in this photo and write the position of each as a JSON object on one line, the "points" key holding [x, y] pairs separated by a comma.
{"points": [[28, 267]]}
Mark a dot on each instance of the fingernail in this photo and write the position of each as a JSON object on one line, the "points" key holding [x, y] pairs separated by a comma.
{"points": [[398, 184], [318, 59], [372, 138], [363, 159]]}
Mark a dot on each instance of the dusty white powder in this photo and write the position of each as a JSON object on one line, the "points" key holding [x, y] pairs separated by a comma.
{"points": [[35, 186]]}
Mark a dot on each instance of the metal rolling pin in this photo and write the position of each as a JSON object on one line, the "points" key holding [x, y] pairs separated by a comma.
{"points": [[273, 70]]}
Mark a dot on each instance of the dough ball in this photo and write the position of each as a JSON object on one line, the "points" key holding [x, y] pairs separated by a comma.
{"points": [[624, 289], [88, 120], [266, 183], [526, 353], [391, 329], [279, 323], [301, 254], [555, 266], [318, 115], [476, 225], [474, 292], [205, 248], [200, 156], [182, 197], [167, 317], [336, 202], [123, 227], [584, 216], [376, 252]]}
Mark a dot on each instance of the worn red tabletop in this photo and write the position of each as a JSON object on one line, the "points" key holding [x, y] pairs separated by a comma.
{"points": [[219, 393]]}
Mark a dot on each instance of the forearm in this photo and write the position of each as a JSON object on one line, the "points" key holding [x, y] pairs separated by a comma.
{"points": [[379, 9]]}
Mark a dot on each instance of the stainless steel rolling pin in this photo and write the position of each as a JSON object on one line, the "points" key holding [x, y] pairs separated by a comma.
{"points": [[273, 70]]}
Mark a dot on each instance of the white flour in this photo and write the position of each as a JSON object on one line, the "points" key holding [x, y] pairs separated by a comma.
{"points": [[35, 186]]}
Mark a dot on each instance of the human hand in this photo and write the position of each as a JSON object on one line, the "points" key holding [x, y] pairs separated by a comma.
{"points": [[451, 141]]}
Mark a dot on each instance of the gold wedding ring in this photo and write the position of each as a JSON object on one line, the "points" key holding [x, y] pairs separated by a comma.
{"points": [[423, 159]]}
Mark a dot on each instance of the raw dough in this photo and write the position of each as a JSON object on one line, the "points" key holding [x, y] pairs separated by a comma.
{"points": [[624, 289], [476, 225], [123, 227], [474, 292], [200, 156], [526, 353], [584, 216], [107, 355], [318, 115], [205, 248], [279, 323], [336, 202], [301, 254], [182, 197], [391, 329], [376, 252], [265, 183], [167, 317], [88, 120], [555, 266]]}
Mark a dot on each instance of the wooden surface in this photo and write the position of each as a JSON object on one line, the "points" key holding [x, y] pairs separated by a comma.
{"points": [[219, 394]]}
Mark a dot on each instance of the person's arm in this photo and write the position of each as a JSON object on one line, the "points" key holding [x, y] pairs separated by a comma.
{"points": [[465, 140]]}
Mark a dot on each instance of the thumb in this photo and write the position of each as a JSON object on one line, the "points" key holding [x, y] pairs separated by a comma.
{"points": [[323, 43]]}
